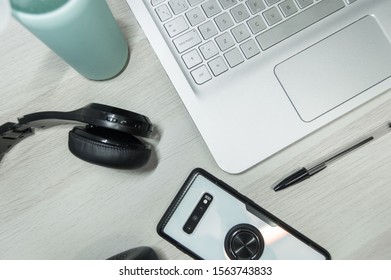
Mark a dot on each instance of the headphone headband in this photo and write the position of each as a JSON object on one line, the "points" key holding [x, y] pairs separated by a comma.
{"points": [[93, 114], [11, 134]]}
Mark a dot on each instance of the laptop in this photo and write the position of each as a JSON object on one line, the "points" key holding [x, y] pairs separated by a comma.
{"points": [[259, 75]]}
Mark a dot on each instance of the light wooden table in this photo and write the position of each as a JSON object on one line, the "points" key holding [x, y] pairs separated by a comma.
{"points": [[55, 206]]}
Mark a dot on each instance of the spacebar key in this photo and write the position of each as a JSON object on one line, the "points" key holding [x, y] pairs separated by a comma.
{"points": [[299, 22]]}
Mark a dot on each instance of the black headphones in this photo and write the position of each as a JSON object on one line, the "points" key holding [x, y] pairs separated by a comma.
{"points": [[108, 139]]}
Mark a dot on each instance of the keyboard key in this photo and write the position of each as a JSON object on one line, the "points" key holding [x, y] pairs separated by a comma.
{"points": [[163, 13], [233, 57], [272, 16], [288, 8], [271, 2], [195, 16], [227, 3], [211, 8], [217, 66], [239, 13], [208, 30], [224, 21], [225, 41], [250, 49], [176, 26], [255, 6], [304, 3], [187, 41], [240, 33], [256, 24], [194, 2], [299, 22], [156, 2], [178, 6], [192, 58], [201, 75], [209, 50]]}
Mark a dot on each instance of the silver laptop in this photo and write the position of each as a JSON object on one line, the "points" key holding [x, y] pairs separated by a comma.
{"points": [[258, 75]]}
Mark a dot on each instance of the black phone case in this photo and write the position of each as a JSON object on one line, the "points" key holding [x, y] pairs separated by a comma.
{"points": [[248, 202]]}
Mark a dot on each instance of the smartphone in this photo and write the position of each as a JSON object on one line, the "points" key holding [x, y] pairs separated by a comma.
{"points": [[210, 220]]}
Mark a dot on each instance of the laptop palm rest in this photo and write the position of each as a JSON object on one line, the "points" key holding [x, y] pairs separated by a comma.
{"points": [[336, 69]]}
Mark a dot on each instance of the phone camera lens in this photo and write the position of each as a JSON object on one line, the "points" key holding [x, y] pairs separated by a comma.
{"points": [[197, 214]]}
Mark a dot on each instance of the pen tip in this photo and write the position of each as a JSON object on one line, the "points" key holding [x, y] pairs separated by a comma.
{"points": [[277, 188]]}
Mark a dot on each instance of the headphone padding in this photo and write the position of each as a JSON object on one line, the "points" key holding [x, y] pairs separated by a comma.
{"points": [[123, 157]]}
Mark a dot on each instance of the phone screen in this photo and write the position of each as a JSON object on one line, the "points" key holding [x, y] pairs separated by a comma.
{"points": [[213, 221]]}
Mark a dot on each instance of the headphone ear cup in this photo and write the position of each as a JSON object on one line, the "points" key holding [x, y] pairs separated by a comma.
{"points": [[108, 147]]}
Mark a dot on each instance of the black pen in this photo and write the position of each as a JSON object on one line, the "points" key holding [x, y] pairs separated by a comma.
{"points": [[305, 173]]}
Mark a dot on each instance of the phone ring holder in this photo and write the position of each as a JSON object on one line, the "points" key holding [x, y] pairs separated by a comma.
{"points": [[244, 242]]}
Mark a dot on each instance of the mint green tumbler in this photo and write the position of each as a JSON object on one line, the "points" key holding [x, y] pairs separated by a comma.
{"points": [[84, 33]]}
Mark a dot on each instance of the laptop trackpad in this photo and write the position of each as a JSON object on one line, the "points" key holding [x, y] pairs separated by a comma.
{"points": [[336, 69]]}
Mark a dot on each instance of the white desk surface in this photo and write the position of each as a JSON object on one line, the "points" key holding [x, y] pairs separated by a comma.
{"points": [[55, 206]]}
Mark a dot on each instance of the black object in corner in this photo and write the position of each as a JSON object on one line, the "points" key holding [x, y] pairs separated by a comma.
{"points": [[138, 253]]}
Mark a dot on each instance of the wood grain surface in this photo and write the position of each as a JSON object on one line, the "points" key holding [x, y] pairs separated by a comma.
{"points": [[55, 206]]}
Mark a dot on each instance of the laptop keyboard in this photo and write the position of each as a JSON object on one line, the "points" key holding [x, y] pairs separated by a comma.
{"points": [[213, 36]]}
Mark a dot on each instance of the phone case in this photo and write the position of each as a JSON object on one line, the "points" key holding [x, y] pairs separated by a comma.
{"points": [[210, 220]]}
